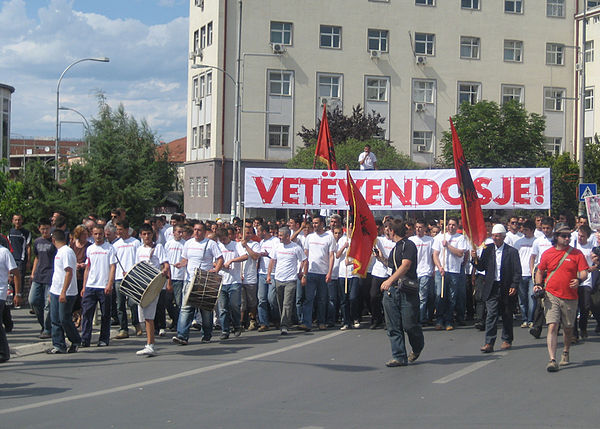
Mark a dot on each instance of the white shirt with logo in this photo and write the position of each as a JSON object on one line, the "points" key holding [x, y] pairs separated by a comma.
{"points": [[540, 245], [99, 259], [319, 247], [174, 251], [234, 273], [266, 246], [524, 246], [126, 251], [425, 263], [288, 256], [250, 266], [65, 258], [385, 246], [449, 261], [200, 254]]}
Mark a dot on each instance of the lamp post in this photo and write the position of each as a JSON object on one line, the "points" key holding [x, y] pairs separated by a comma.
{"points": [[56, 151], [87, 125]]}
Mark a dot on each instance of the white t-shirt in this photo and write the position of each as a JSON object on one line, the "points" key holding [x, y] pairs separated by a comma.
{"points": [[174, 251], [319, 248], [250, 266], [99, 259], [345, 271], [64, 258], [540, 245], [449, 261], [200, 254], [266, 246], [126, 251], [288, 256], [591, 239], [524, 246], [512, 238], [168, 233], [538, 233], [7, 264], [159, 256], [586, 249], [385, 246], [425, 263], [370, 160], [234, 273]]}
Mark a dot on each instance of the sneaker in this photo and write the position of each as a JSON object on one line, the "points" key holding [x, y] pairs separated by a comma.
{"points": [[122, 334], [148, 350], [252, 326], [205, 340], [162, 332], [237, 331], [55, 351], [345, 327], [524, 325], [102, 344], [263, 328], [44, 335], [356, 324], [552, 366], [284, 331], [138, 331], [530, 324], [564, 360], [73, 348], [535, 332], [394, 362], [303, 327], [413, 356], [449, 328], [322, 327], [196, 325], [180, 341], [224, 336]]}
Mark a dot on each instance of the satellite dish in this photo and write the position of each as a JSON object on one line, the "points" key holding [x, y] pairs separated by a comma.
{"points": [[47, 149]]}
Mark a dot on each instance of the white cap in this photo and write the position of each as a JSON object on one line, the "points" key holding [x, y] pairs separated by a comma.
{"points": [[499, 229]]}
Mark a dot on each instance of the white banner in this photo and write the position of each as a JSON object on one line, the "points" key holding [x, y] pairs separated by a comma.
{"points": [[498, 188]]}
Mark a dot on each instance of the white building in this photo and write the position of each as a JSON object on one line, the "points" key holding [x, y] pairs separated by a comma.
{"points": [[5, 101], [413, 61]]}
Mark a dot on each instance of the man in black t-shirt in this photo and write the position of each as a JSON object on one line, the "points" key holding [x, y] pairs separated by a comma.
{"points": [[402, 308], [20, 239], [41, 275]]}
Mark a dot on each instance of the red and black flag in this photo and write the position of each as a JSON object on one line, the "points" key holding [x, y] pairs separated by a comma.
{"points": [[470, 208], [324, 150]]}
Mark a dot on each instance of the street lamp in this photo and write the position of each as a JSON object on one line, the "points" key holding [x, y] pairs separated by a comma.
{"points": [[87, 125], [56, 154]]}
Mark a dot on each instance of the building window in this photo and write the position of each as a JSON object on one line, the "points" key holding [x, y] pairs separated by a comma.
{"points": [[203, 37], [593, 3], [423, 91], [209, 33], [281, 32], [589, 51], [199, 186], [192, 188], [513, 50], [553, 145], [469, 47], [425, 2], [555, 54], [424, 43], [208, 136], [194, 138], [553, 99], [202, 87], [555, 8], [195, 88], [330, 37], [512, 92], [469, 4], [329, 86], [280, 83], [513, 6], [208, 84], [201, 136], [377, 40], [468, 92], [422, 141], [377, 89], [196, 41], [205, 183], [588, 99], [279, 135]]}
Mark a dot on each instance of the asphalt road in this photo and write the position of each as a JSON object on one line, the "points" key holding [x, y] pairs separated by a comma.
{"points": [[328, 379]]}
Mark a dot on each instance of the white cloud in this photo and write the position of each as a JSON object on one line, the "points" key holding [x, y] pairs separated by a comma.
{"points": [[147, 70]]}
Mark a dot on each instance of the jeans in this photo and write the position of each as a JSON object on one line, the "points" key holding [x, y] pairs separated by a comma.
{"points": [[334, 294], [62, 322], [376, 296], [461, 295], [186, 317], [426, 298], [91, 297], [230, 302], [496, 304], [286, 295], [526, 299], [122, 301], [300, 298], [315, 287], [350, 299], [4, 350], [38, 300], [445, 306], [401, 315], [178, 292], [266, 299]]}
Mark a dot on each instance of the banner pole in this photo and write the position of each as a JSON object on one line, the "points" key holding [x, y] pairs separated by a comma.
{"points": [[244, 225], [346, 258], [443, 252]]}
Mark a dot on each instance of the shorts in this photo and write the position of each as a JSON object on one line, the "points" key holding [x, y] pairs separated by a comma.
{"points": [[249, 297], [558, 310], [148, 312]]}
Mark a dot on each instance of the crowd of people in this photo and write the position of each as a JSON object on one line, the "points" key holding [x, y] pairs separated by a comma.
{"points": [[295, 274]]}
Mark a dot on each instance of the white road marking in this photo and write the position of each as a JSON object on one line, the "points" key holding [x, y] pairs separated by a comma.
{"points": [[469, 369], [167, 378]]}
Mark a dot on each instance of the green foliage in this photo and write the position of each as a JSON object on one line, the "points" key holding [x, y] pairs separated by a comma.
{"points": [[496, 136], [12, 197], [347, 154], [592, 161], [564, 172]]}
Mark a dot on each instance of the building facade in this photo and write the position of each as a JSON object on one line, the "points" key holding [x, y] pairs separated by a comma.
{"points": [[412, 61], [5, 103]]}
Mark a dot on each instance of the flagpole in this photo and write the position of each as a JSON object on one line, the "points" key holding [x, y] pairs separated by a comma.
{"points": [[443, 253], [244, 225], [346, 258]]}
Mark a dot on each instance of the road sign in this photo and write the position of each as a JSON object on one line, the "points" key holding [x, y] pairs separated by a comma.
{"points": [[586, 190]]}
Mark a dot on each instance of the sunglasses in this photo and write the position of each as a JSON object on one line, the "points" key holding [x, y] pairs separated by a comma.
{"points": [[564, 235]]}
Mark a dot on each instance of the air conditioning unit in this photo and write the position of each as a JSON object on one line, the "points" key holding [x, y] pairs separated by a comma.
{"points": [[419, 107], [421, 148], [278, 48], [375, 54], [199, 3], [578, 67], [421, 60]]}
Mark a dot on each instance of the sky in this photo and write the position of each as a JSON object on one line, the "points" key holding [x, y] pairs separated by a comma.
{"points": [[146, 41]]}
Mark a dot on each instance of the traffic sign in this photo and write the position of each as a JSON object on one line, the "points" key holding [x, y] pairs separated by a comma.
{"points": [[586, 190]]}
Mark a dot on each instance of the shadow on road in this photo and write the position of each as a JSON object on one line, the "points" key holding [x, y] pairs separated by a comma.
{"points": [[28, 392]]}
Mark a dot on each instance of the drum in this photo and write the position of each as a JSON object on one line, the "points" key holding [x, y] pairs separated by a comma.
{"points": [[203, 291], [143, 283]]}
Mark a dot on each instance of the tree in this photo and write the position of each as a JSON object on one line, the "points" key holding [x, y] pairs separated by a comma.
{"points": [[564, 172], [592, 161], [12, 197], [496, 136], [347, 154]]}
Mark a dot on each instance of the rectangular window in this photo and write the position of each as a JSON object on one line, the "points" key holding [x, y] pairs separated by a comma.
{"points": [[377, 89], [195, 88], [553, 145], [201, 136], [329, 86], [194, 138], [589, 51], [203, 37], [423, 91], [425, 2], [199, 186], [209, 83], [513, 6], [512, 92], [555, 54], [553, 99], [280, 83], [469, 47], [281, 32], [196, 40], [593, 3], [468, 92], [205, 183], [192, 188], [208, 136], [279, 135], [555, 8], [589, 99], [469, 4], [377, 40], [202, 86], [209, 33], [424, 43], [330, 37], [422, 141], [513, 51]]}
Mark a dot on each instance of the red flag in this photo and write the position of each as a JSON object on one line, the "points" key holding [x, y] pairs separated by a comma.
{"points": [[364, 230], [470, 208], [324, 150]]}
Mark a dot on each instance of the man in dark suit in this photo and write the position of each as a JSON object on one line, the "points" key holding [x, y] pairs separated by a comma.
{"points": [[502, 276]]}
